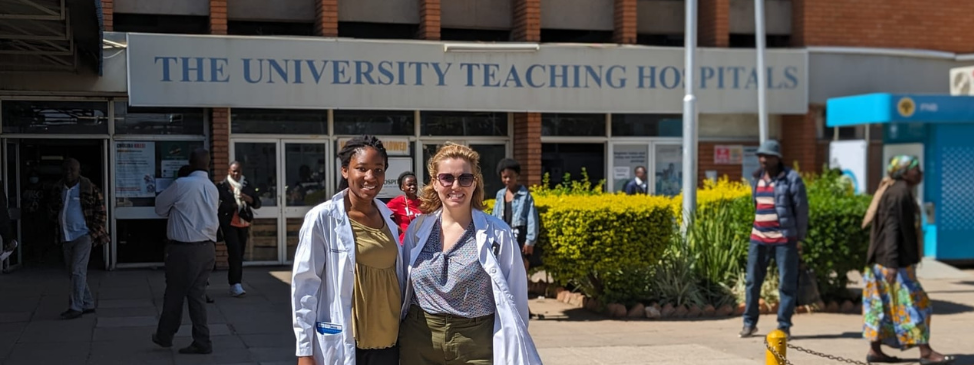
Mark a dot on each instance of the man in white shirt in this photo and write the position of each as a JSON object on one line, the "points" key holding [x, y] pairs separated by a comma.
{"points": [[191, 205]]}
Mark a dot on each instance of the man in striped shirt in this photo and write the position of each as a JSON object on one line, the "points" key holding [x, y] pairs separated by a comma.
{"points": [[780, 225]]}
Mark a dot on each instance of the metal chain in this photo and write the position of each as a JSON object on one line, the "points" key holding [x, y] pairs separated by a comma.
{"points": [[783, 360]]}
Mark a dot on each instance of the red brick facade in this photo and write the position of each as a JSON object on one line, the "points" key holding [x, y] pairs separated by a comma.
{"points": [[326, 21], [527, 146], [108, 14], [220, 159], [940, 25], [714, 23], [429, 20], [218, 16], [799, 141], [624, 19], [526, 21]]}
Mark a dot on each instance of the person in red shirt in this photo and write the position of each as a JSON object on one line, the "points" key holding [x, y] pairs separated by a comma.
{"points": [[405, 207]]}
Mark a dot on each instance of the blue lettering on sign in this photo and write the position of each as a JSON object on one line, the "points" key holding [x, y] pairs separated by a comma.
{"points": [[172, 69]]}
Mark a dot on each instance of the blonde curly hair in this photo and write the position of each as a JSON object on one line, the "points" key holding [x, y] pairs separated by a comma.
{"points": [[429, 196]]}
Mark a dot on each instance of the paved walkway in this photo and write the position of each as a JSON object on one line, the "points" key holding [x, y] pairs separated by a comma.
{"points": [[256, 329]]}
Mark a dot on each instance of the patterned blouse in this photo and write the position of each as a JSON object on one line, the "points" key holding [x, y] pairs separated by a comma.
{"points": [[452, 282]]}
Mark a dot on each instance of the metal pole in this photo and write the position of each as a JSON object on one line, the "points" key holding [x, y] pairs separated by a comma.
{"points": [[759, 39], [690, 117]]}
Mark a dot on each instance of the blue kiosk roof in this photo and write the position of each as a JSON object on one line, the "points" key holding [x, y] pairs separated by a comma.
{"points": [[898, 108]]}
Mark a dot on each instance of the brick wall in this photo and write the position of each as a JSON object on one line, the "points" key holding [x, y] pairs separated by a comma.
{"points": [[526, 21], [714, 23], [219, 159], [938, 25], [108, 13], [429, 20], [326, 20], [799, 142], [218, 17], [705, 161], [625, 22], [527, 146]]}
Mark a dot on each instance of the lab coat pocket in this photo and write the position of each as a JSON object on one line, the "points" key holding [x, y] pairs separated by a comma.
{"points": [[330, 348]]}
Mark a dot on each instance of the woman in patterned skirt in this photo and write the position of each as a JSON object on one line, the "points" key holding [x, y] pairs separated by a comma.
{"points": [[895, 307]]}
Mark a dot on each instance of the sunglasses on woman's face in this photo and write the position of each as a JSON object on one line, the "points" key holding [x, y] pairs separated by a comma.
{"points": [[446, 180]]}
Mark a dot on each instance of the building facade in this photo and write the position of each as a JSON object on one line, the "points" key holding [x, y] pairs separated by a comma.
{"points": [[559, 85]]}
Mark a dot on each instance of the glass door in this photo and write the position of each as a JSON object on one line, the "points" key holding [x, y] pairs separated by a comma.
{"points": [[667, 168], [305, 173], [290, 178], [11, 188]]}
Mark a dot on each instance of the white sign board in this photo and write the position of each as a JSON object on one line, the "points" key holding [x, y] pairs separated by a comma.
{"points": [[320, 73], [851, 157], [962, 81]]}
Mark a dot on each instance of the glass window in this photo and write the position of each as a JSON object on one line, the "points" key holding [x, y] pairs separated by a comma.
{"points": [[558, 159], [582, 125], [304, 171], [490, 155], [463, 124], [131, 120], [67, 117], [275, 121], [668, 163], [143, 169], [647, 125], [375, 122]]}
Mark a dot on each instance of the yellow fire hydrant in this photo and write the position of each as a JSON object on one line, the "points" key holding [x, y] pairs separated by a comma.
{"points": [[778, 341]]}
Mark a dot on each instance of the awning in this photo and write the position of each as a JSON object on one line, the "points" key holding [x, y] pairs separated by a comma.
{"points": [[898, 108], [50, 35]]}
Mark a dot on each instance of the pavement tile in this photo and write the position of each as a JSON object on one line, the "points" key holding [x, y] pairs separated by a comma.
{"points": [[268, 340], [127, 312], [186, 330], [124, 303], [273, 353], [75, 330], [141, 321], [40, 353], [133, 334], [129, 351], [7, 317]]}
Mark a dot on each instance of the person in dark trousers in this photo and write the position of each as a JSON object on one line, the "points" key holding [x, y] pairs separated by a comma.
{"points": [[236, 204], [78, 207], [638, 185], [780, 225], [191, 205], [184, 171], [896, 309]]}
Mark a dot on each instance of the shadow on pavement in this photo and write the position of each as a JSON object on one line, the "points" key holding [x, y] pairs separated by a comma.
{"points": [[829, 336], [945, 307]]}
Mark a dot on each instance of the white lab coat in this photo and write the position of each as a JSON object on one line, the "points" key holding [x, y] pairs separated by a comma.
{"points": [[512, 343], [323, 280]]}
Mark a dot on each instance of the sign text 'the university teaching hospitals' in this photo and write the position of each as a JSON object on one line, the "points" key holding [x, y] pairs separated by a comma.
{"points": [[352, 74]]}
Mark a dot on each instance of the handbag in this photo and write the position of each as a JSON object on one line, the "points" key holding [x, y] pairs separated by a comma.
{"points": [[807, 286]]}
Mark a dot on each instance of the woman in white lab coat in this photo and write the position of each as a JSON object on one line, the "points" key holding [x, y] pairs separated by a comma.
{"points": [[466, 299], [348, 273]]}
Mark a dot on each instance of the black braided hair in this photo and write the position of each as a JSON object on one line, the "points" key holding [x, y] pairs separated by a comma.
{"points": [[355, 145]]}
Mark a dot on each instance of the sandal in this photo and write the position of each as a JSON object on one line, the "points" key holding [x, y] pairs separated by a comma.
{"points": [[947, 360]]}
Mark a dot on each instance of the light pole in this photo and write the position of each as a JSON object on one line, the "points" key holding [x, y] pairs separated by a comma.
{"points": [[690, 117], [761, 70]]}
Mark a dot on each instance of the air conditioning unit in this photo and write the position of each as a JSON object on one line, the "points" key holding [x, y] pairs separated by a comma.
{"points": [[962, 81]]}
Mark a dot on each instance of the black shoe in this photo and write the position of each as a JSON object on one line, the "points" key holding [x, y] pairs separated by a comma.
{"points": [[748, 331], [88, 311], [70, 314], [196, 349], [157, 341]]}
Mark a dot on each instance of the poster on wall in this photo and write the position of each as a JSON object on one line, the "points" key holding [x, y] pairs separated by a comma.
{"points": [[625, 159], [135, 169], [669, 169], [750, 163], [728, 154], [174, 156], [850, 158]]}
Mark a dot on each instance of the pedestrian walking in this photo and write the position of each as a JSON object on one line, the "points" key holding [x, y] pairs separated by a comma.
{"points": [[78, 207], [637, 185], [780, 225], [191, 205], [896, 309], [236, 212], [405, 207], [467, 299], [348, 272]]}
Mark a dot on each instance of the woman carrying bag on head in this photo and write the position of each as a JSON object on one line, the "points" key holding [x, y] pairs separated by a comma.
{"points": [[466, 301], [348, 272], [237, 201]]}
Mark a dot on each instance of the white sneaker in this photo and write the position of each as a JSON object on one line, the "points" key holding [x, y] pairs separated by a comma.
{"points": [[6, 254], [237, 290]]}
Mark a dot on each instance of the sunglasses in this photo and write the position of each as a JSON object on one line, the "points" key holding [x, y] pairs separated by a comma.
{"points": [[446, 180]]}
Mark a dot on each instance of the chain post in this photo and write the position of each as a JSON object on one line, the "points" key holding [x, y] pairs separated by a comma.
{"points": [[777, 343]]}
